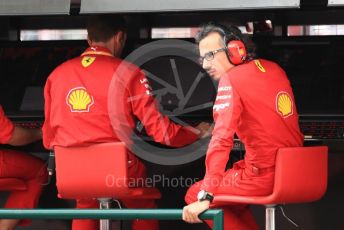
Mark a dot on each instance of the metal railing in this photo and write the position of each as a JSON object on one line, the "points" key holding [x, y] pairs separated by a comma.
{"points": [[115, 214]]}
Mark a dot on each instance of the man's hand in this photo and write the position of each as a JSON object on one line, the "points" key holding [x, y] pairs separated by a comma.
{"points": [[205, 129], [191, 212], [24, 136]]}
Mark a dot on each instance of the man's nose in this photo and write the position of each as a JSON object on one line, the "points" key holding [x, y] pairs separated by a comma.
{"points": [[206, 64]]}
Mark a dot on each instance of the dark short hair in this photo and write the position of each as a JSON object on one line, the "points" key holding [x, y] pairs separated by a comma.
{"points": [[229, 33], [101, 28]]}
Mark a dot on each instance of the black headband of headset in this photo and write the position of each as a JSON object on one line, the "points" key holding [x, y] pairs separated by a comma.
{"points": [[228, 34]]}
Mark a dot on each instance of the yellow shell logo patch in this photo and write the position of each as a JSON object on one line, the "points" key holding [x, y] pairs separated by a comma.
{"points": [[79, 100], [241, 51], [259, 65], [87, 61], [284, 104]]}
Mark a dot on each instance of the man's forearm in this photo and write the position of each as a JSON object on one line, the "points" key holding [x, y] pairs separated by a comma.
{"points": [[23, 136]]}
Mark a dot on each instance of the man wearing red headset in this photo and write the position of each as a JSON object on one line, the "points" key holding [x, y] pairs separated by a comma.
{"points": [[254, 101], [14, 164], [76, 106]]}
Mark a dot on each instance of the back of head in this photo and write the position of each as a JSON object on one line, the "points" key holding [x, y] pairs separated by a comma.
{"points": [[229, 33], [101, 28]]}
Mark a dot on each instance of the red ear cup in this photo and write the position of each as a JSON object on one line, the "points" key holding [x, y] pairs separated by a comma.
{"points": [[237, 52]]}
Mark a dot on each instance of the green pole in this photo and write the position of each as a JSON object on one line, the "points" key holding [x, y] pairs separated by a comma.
{"points": [[120, 214], [218, 220]]}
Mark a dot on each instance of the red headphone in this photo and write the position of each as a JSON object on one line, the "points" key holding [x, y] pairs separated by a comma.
{"points": [[236, 50]]}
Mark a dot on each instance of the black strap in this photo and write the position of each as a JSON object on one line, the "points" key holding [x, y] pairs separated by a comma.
{"points": [[51, 166]]}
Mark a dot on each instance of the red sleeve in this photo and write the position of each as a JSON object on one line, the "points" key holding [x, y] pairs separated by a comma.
{"points": [[226, 111], [6, 128], [158, 126], [46, 129]]}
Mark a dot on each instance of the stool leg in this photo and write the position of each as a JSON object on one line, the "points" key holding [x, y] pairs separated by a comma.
{"points": [[270, 217], [104, 203]]}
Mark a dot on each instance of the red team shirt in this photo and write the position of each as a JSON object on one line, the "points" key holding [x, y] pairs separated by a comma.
{"points": [[76, 103], [6, 129], [255, 101]]}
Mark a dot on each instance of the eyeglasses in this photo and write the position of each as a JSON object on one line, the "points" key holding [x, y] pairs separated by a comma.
{"points": [[210, 55]]}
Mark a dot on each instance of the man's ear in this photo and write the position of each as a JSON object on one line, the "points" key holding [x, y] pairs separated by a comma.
{"points": [[89, 41], [120, 37]]}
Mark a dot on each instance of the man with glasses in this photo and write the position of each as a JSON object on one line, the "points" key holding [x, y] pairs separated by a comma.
{"points": [[254, 101]]}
